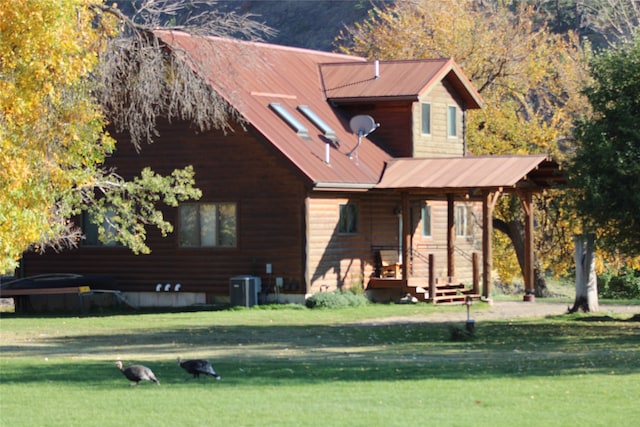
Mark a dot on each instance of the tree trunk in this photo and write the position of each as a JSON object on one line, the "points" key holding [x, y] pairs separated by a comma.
{"points": [[515, 231], [586, 279]]}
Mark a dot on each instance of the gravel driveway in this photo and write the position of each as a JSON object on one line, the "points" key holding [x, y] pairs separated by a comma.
{"points": [[505, 310]]}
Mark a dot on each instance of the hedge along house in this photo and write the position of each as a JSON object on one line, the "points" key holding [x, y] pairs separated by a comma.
{"points": [[335, 163]]}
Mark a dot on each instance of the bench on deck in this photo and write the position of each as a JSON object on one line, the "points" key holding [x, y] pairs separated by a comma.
{"points": [[390, 265]]}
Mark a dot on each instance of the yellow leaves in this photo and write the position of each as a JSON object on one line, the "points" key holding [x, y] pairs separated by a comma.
{"points": [[43, 47], [51, 129], [529, 78]]}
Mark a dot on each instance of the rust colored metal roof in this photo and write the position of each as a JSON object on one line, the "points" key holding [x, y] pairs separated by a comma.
{"points": [[473, 172], [251, 76], [394, 79]]}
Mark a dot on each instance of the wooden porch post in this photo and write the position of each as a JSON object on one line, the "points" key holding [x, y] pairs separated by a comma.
{"points": [[451, 236], [432, 278], [527, 204], [406, 236], [489, 199], [475, 267]]}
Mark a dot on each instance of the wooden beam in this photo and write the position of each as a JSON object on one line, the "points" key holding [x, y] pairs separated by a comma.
{"points": [[527, 204], [406, 236], [489, 199], [451, 236], [475, 268]]}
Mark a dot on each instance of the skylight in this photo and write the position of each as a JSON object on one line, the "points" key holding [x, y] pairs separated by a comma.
{"points": [[291, 121], [313, 117]]}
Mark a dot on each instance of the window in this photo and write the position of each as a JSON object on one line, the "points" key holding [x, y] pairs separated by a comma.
{"points": [[464, 221], [426, 220], [452, 121], [291, 121], [91, 230], [329, 133], [348, 222], [426, 119], [207, 225]]}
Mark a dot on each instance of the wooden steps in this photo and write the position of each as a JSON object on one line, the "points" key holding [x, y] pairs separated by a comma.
{"points": [[447, 291]]}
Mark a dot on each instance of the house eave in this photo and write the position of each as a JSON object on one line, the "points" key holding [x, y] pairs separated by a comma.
{"points": [[362, 99], [342, 186]]}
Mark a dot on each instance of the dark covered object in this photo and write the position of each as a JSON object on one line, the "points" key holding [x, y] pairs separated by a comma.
{"points": [[45, 281]]}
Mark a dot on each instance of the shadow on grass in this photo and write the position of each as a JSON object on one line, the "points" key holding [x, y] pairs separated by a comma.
{"points": [[270, 355]]}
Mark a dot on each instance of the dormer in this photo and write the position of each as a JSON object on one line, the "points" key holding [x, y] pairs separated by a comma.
{"points": [[420, 104]]}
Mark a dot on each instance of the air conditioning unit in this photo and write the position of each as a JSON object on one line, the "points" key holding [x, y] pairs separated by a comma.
{"points": [[244, 290]]}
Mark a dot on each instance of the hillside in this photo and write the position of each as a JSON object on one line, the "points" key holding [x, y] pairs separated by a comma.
{"points": [[312, 24]]}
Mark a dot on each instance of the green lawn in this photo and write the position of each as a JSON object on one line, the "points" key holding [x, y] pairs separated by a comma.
{"points": [[300, 367]]}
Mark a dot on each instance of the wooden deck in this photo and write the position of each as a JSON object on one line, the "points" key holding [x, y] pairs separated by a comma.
{"points": [[446, 291], [10, 293]]}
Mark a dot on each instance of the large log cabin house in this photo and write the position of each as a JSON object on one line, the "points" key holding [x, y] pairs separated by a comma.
{"points": [[341, 172]]}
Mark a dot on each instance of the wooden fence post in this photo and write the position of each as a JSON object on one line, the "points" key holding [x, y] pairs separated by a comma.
{"points": [[432, 278]]}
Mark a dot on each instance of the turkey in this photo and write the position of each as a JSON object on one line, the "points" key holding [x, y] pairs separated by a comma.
{"points": [[137, 373], [197, 367]]}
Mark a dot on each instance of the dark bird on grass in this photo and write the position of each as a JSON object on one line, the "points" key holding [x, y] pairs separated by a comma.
{"points": [[137, 373], [197, 367]]}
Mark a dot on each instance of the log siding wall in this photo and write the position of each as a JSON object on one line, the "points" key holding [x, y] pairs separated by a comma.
{"points": [[236, 167], [339, 261], [438, 143], [280, 220], [436, 244], [395, 130]]}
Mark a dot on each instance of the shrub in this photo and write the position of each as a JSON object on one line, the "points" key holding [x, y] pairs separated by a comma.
{"points": [[623, 285], [337, 299]]}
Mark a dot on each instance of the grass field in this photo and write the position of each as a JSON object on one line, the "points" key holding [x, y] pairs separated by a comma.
{"points": [[300, 367]]}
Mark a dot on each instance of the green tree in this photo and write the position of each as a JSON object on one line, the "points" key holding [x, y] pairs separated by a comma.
{"points": [[68, 69], [606, 167], [530, 79]]}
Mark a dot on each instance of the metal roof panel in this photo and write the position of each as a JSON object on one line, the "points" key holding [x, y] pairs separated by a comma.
{"points": [[394, 79], [251, 76], [469, 172]]}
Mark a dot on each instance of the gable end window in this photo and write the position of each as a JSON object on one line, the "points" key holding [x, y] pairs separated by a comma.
{"points": [[207, 225], [426, 119], [348, 222], [452, 121]]}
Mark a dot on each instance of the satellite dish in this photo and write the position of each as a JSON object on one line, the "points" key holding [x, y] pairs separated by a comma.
{"points": [[362, 125]]}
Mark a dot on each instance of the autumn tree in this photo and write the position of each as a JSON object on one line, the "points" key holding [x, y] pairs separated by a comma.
{"points": [[530, 80], [67, 70]]}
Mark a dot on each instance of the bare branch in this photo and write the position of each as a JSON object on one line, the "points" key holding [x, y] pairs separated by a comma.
{"points": [[140, 79], [617, 21]]}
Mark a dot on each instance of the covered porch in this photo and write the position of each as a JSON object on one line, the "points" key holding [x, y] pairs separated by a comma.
{"points": [[481, 179]]}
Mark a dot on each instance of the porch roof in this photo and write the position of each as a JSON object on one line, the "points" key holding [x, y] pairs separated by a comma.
{"points": [[442, 175]]}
